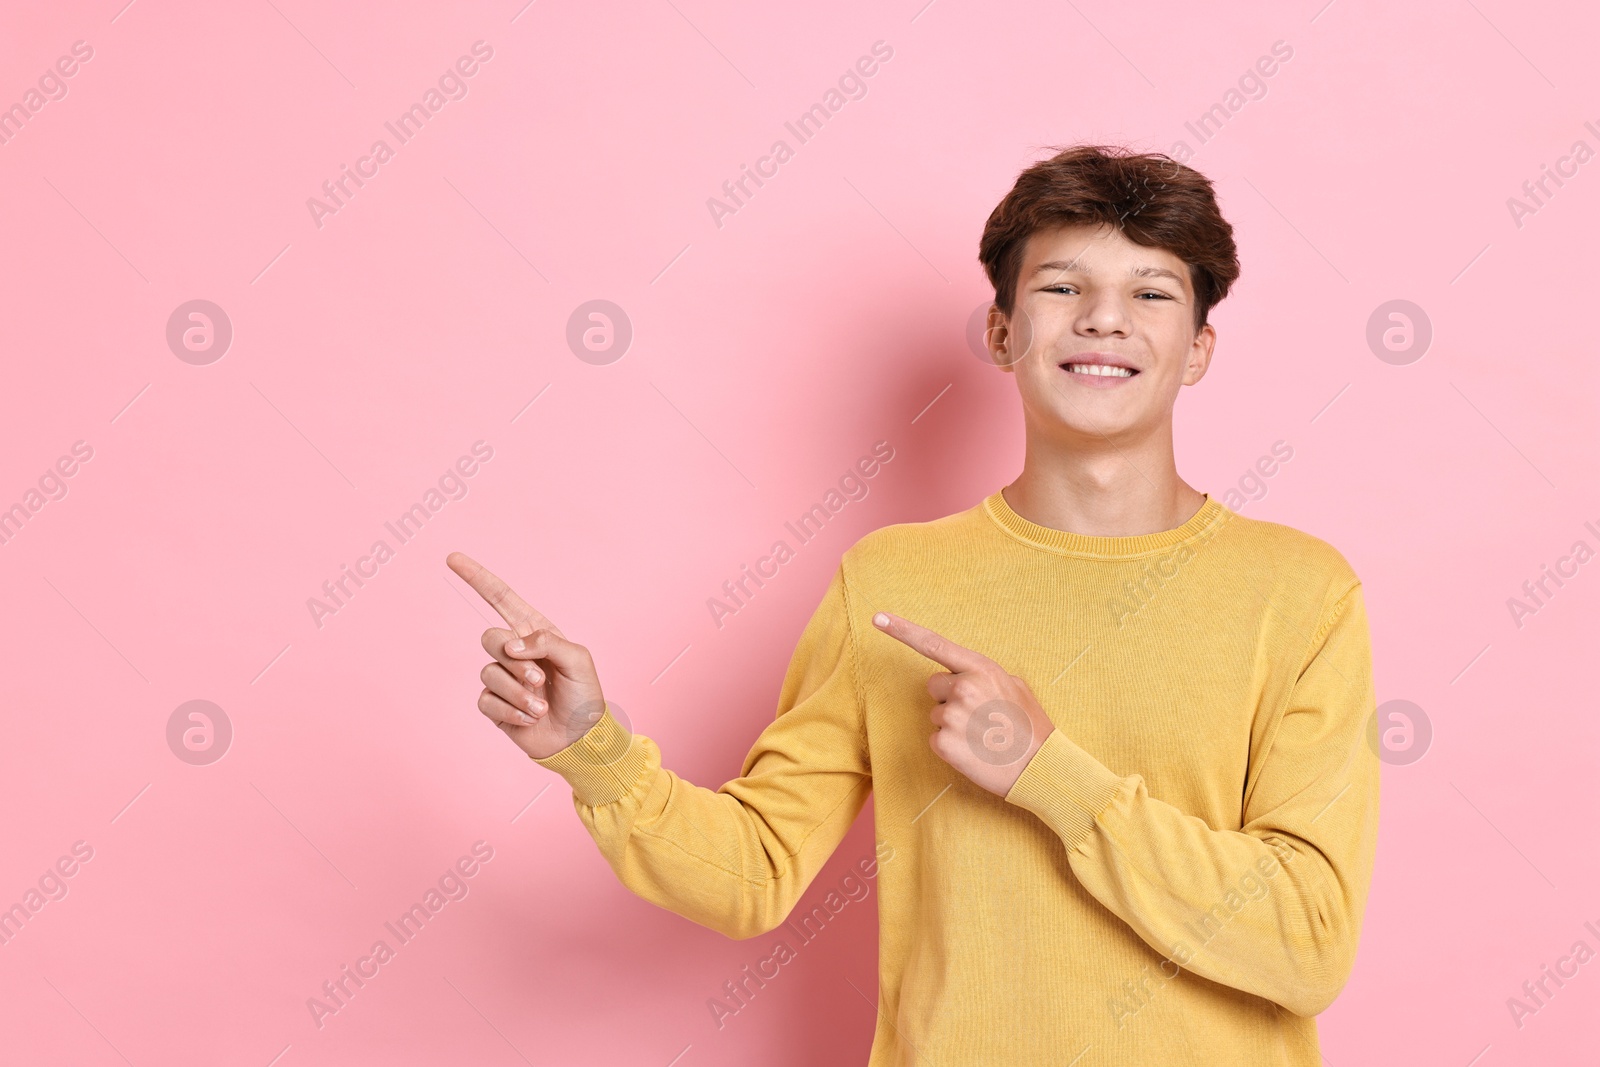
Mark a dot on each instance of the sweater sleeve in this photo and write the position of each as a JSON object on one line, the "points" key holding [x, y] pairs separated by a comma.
{"points": [[1273, 908], [737, 858]]}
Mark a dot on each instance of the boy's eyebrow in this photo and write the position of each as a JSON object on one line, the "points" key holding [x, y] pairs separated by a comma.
{"points": [[1063, 266]]}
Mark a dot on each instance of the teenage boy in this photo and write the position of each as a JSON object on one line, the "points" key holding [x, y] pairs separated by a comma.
{"points": [[1126, 806]]}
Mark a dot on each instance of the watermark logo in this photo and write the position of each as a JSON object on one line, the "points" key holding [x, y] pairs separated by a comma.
{"points": [[1539, 591], [1537, 992], [451, 485], [52, 485], [51, 86], [1251, 85], [1399, 732], [1134, 198], [1017, 339], [1537, 192], [738, 993], [851, 85], [451, 85], [599, 332], [1252, 886], [1399, 332], [199, 732], [1156, 574], [451, 886], [852, 486], [199, 332], [1252, 484], [603, 752], [50, 886], [999, 732]]}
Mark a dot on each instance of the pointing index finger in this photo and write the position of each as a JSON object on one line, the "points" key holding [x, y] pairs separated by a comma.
{"points": [[517, 612], [940, 649]]}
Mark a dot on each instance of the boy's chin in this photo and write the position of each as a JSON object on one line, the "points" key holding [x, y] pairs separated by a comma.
{"points": [[1095, 423]]}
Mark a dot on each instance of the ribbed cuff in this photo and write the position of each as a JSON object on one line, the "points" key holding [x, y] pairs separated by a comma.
{"points": [[1066, 787], [601, 766]]}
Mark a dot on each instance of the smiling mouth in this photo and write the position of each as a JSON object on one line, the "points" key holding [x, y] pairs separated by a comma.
{"points": [[1098, 370]]}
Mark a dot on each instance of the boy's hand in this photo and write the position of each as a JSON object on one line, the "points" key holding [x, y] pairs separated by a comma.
{"points": [[541, 689], [989, 722]]}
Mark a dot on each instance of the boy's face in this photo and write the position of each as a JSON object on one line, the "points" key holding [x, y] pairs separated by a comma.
{"points": [[1083, 291]]}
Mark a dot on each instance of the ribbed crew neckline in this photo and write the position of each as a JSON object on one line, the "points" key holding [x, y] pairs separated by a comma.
{"points": [[1064, 542]]}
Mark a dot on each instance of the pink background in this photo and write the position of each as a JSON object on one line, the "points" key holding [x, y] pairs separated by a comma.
{"points": [[767, 356]]}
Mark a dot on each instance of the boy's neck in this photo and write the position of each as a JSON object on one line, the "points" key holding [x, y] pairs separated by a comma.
{"points": [[1104, 496]]}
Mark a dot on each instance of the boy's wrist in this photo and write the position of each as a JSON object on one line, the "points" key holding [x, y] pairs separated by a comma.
{"points": [[602, 764]]}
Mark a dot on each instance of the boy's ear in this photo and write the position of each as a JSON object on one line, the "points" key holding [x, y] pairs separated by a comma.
{"points": [[1016, 333], [991, 328], [1200, 354]]}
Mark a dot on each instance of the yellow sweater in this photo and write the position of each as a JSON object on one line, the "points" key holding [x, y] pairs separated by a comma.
{"points": [[1177, 877]]}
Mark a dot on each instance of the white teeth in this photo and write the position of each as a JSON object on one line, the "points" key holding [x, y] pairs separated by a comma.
{"points": [[1102, 371]]}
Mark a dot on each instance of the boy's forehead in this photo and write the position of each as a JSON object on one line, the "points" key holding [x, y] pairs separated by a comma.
{"points": [[1091, 249]]}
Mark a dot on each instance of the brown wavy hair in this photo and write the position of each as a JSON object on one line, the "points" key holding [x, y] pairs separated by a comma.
{"points": [[1153, 199]]}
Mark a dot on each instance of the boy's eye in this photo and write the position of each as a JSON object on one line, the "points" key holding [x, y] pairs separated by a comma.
{"points": [[1068, 288]]}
